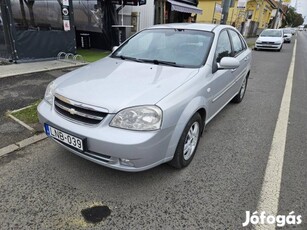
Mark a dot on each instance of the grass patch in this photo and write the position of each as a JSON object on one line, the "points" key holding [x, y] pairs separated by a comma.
{"points": [[29, 114], [91, 55], [250, 44]]}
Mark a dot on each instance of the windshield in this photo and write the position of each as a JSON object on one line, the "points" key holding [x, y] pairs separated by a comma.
{"points": [[287, 31], [183, 48], [271, 33]]}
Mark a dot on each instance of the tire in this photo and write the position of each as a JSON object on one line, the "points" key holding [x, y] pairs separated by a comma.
{"points": [[255, 49], [279, 49], [239, 97], [189, 140]]}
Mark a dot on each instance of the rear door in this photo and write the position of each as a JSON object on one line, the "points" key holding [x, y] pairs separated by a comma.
{"points": [[242, 54]]}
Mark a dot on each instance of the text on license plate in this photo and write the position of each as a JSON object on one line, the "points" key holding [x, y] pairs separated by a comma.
{"points": [[64, 137]]}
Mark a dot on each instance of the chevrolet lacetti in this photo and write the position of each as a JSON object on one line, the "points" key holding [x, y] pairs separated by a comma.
{"points": [[148, 102]]}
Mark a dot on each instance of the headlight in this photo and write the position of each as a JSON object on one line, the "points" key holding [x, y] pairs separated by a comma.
{"points": [[142, 118], [277, 43], [50, 93], [258, 42]]}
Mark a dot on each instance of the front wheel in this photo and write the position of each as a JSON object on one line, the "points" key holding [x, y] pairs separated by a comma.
{"points": [[188, 143], [239, 97]]}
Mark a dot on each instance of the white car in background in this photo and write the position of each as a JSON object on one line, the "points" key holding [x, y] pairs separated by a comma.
{"points": [[272, 39], [287, 35]]}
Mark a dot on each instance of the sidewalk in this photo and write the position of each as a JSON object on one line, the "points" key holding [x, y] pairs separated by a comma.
{"points": [[251, 41], [35, 67]]}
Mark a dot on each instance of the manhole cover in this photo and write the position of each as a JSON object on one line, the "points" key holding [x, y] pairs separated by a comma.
{"points": [[95, 214]]}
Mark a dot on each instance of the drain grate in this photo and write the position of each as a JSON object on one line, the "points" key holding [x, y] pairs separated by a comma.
{"points": [[95, 214]]}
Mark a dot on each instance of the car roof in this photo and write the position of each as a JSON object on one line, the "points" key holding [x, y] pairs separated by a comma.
{"points": [[273, 29], [191, 26]]}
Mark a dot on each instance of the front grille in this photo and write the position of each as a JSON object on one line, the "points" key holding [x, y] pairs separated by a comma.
{"points": [[268, 42], [77, 112]]}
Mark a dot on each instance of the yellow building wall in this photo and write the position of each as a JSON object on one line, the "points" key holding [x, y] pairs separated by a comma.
{"points": [[261, 13], [208, 7], [235, 15]]}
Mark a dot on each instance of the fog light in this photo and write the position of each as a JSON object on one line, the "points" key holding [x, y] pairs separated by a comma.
{"points": [[126, 162]]}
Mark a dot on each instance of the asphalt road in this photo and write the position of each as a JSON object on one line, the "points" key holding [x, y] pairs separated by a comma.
{"points": [[46, 187], [17, 92]]}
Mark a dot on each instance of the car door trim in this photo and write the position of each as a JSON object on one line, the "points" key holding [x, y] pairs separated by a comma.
{"points": [[229, 86]]}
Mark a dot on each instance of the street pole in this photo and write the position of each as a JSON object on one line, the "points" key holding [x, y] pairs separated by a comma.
{"points": [[225, 10], [276, 15]]}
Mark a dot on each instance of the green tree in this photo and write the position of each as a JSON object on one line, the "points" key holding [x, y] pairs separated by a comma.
{"points": [[292, 18]]}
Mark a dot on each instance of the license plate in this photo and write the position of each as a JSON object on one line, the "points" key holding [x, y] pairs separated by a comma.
{"points": [[64, 137]]}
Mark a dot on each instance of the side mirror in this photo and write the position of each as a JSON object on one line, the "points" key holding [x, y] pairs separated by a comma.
{"points": [[114, 48], [228, 63]]}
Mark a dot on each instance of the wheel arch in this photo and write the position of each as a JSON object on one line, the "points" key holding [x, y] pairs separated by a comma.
{"points": [[194, 106]]}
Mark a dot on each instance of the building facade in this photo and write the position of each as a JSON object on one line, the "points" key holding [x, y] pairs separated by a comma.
{"points": [[250, 17]]}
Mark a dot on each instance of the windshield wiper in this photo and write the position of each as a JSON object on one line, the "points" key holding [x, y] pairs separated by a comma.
{"points": [[129, 58], [158, 62]]}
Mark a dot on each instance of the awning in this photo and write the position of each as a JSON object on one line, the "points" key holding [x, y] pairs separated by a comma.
{"points": [[185, 8]]}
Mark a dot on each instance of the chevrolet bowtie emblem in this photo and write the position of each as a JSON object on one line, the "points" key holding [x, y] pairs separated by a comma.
{"points": [[72, 111]]}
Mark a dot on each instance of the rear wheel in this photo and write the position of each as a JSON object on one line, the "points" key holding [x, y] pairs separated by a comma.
{"points": [[188, 143]]}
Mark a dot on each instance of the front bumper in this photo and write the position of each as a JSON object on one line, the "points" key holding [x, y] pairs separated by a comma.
{"points": [[268, 46], [287, 39], [116, 148]]}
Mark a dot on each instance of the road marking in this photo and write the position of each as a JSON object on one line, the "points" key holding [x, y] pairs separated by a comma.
{"points": [[270, 192]]}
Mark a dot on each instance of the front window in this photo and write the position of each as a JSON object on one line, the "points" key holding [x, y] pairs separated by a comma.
{"points": [[271, 33], [223, 48], [177, 47]]}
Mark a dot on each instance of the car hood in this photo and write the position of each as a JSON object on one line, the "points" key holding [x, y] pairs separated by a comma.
{"points": [[114, 84], [269, 39]]}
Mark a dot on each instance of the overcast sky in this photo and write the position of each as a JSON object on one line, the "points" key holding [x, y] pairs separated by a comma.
{"points": [[301, 7]]}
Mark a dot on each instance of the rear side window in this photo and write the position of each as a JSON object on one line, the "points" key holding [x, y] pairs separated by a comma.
{"points": [[236, 42], [223, 48]]}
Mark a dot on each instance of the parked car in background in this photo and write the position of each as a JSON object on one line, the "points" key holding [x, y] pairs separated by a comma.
{"points": [[148, 102], [293, 31], [272, 39], [287, 35]]}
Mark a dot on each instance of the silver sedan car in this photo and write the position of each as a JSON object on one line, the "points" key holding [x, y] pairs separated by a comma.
{"points": [[148, 102]]}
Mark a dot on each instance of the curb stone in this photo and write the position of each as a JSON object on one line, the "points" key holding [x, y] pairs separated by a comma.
{"points": [[21, 144]]}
